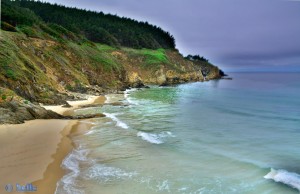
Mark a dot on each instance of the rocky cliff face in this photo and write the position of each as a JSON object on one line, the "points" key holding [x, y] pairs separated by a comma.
{"points": [[42, 70], [175, 71]]}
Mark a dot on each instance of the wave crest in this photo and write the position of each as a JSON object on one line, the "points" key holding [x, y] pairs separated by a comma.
{"points": [[104, 173], [285, 177], [119, 122], [68, 183], [154, 138]]}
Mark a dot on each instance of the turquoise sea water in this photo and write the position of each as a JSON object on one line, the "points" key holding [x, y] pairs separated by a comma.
{"points": [[221, 136]]}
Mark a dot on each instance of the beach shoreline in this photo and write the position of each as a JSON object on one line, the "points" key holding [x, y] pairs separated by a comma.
{"points": [[32, 152], [75, 105]]}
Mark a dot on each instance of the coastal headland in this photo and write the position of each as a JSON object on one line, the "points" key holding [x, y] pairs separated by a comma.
{"points": [[49, 68]]}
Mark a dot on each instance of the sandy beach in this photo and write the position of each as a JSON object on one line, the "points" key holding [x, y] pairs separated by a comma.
{"points": [[33, 152], [75, 104]]}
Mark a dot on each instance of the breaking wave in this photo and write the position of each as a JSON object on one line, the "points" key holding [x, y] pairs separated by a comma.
{"points": [[119, 123], [154, 138], [68, 183], [285, 177]]}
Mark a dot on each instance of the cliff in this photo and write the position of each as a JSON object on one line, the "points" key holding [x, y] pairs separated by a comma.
{"points": [[41, 70], [49, 59]]}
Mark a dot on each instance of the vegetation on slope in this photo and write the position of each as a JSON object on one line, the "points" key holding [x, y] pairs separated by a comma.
{"points": [[95, 26], [43, 59]]}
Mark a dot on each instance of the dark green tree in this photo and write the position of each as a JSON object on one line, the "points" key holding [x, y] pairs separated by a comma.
{"points": [[95, 26]]}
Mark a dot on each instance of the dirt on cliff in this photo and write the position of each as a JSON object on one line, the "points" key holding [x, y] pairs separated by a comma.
{"points": [[42, 70]]}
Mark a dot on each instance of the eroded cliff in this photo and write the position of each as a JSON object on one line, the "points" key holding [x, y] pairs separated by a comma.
{"points": [[45, 70]]}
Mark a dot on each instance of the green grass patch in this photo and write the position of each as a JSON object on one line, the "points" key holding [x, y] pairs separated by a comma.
{"points": [[152, 58], [105, 48], [107, 62], [10, 74], [8, 59], [69, 87], [97, 56], [50, 31], [30, 31], [155, 56], [3, 96]]}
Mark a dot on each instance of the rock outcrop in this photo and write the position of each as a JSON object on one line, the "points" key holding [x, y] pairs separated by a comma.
{"points": [[16, 113]]}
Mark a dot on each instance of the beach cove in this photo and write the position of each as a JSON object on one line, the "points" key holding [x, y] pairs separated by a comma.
{"points": [[157, 140], [204, 137], [33, 152]]}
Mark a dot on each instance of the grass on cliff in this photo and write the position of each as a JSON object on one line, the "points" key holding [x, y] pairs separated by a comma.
{"points": [[152, 58], [8, 95], [98, 55], [105, 48], [8, 59], [51, 32]]}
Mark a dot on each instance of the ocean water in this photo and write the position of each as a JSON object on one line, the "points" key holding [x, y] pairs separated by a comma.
{"points": [[222, 136]]}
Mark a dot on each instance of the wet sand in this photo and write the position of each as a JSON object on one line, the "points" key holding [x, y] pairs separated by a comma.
{"points": [[27, 149], [54, 172], [33, 152]]}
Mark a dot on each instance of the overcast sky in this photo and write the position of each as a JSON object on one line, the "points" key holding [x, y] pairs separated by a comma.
{"points": [[236, 35]]}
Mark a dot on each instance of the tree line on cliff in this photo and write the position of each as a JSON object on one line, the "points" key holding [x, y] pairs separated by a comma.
{"points": [[95, 26]]}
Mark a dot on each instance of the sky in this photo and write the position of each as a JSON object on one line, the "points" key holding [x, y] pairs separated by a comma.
{"points": [[236, 35]]}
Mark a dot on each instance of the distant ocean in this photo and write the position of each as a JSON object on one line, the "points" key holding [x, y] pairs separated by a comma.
{"points": [[222, 136]]}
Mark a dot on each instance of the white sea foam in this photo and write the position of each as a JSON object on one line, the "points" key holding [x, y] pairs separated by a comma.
{"points": [[107, 99], [129, 100], [111, 98], [105, 173], [182, 189], [164, 186], [118, 121], [283, 176], [90, 132], [68, 183], [154, 138], [166, 134], [126, 93]]}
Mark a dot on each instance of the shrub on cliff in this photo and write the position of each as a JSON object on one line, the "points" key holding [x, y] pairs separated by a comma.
{"points": [[3, 97], [196, 58]]}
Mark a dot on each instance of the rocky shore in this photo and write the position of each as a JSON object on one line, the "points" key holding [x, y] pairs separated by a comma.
{"points": [[17, 113], [41, 139], [17, 110], [51, 72]]}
